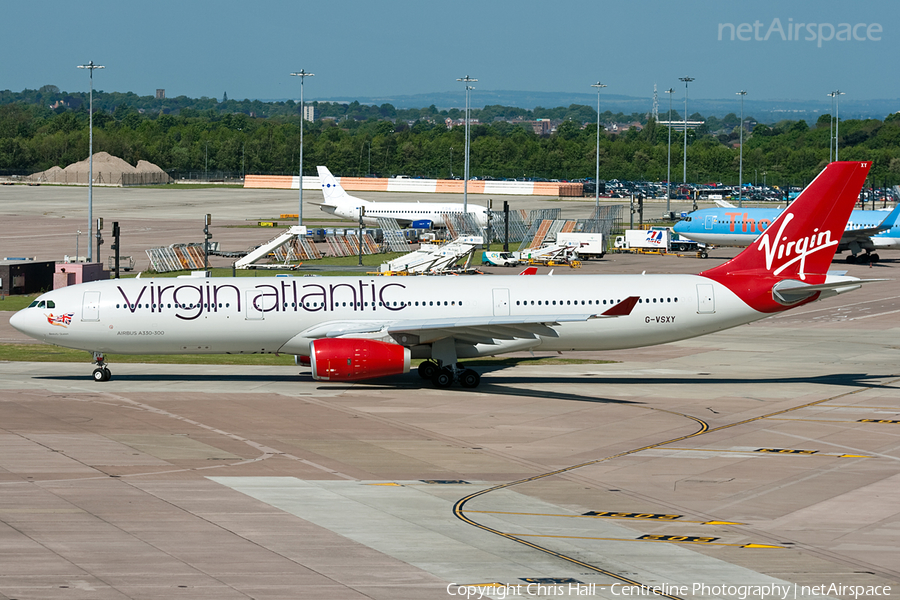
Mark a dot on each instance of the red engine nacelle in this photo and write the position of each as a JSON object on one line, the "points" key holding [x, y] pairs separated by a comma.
{"points": [[348, 359]]}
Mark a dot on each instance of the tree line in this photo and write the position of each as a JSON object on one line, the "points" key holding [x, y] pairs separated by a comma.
{"points": [[365, 140]]}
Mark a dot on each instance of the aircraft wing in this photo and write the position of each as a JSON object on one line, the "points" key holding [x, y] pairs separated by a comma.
{"points": [[484, 330], [475, 330], [865, 235]]}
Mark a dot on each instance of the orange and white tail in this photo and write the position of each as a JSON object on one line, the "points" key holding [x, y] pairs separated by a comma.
{"points": [[800, 244]]}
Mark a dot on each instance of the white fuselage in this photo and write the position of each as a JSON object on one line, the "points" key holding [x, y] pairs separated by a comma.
{"points": [[284, 314], [403, 212]]}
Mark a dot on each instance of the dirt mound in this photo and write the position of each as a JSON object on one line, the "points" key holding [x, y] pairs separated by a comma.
{"points": [[108, 169], [148, 167]]}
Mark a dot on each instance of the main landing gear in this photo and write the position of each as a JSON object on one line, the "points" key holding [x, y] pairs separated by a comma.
{"points": [[443, 377], [867, 258], [102, 372]]}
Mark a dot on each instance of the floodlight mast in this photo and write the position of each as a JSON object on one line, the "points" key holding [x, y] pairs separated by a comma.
{"points": [[669, 91], [831, 129], [741, 93], [599, 87], [467, 80], [90, 67], [686, 81], [302, 75], [837, 120]]}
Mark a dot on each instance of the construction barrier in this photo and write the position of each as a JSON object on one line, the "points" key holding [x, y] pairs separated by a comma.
{"points": [[444, 186]]}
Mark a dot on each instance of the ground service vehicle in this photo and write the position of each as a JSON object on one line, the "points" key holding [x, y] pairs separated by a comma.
{"points": [[659, 239], [588, 245], [500, 259]]}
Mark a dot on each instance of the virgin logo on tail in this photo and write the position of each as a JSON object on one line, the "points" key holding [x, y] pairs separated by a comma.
{"points": [[794, 250], [800, 243]]}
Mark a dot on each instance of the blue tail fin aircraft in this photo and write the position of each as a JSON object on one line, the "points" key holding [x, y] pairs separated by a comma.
{"points": [[867, 230]]}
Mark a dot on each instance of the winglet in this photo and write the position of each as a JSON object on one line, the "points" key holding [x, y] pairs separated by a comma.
{"points": [[529, 271], [623, 308]]}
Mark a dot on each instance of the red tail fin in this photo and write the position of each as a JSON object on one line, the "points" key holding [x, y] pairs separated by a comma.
{"points": [[801, 242]]}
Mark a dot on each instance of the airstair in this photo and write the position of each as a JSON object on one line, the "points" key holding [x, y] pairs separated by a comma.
{"points": [[270, 247], [434, 258]]}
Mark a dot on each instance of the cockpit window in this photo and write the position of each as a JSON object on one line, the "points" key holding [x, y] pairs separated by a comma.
{"points": [[33, 304], [51, 304], [41, 304]]}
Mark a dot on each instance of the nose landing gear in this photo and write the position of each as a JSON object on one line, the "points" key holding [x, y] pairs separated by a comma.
{"points": [[102, 372]]}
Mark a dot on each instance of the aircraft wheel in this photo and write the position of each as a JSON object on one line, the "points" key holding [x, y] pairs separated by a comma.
{"points": [[107, 374], [703, 254], [469, 379], [874, 258], [101, 374], [428, 369], [850, 259], [443, 378]]}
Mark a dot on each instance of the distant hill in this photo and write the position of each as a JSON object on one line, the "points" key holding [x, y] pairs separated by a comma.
{"points": [[762, 110]]}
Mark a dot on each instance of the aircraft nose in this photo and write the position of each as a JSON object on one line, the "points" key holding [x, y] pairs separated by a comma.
{"points": [[24, 321], [18, 321]]}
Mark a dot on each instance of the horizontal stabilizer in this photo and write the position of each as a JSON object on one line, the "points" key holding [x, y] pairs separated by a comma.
{"points": [[791, 291]]}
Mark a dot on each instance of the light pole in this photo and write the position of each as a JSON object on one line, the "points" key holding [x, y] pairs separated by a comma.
{"points": [[837, 120], [669, 91], [451, 162], [741, 93], [362, 213], [302, 75], [599, 87], [686, 81], [467, 80], [831, 129], [90, 67]]}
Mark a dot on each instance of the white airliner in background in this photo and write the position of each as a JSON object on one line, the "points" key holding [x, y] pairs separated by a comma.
{"points": [[338, 202], [353, 328]]}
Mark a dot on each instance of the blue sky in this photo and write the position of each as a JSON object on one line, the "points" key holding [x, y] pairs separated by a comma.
{"points": [[400, 47]]}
